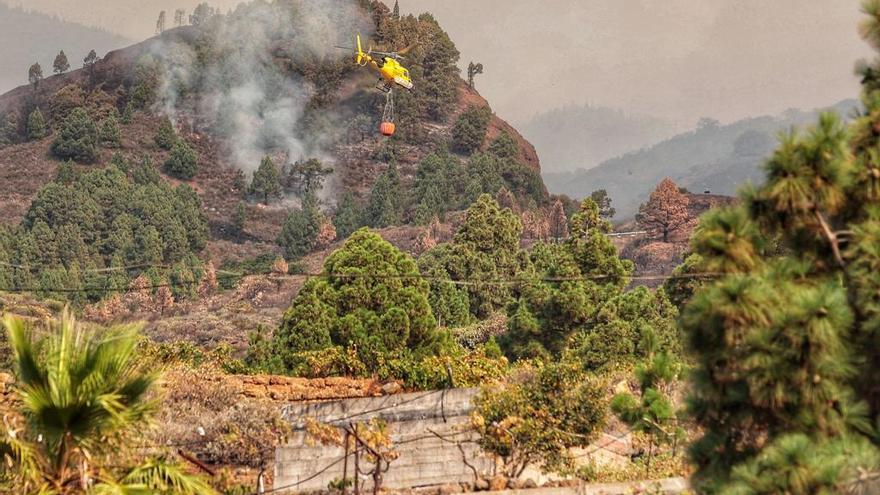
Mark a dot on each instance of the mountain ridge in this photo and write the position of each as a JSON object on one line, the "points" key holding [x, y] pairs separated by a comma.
{"points": [[718, 158]]}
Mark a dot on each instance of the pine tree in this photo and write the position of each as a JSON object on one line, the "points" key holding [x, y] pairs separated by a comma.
{"points": [[603, 200], [470, 128], [128, 114], [239, 219], [110, 135], [90, 60], [183, 162], [473, 70], [785, 382], [558, 222], [386, 206], [61, 65], [36, 125], [300, 231], [166, 136], [78, 138], [266, 181], [35, 75], [666, 210], [307, 177], [322, 314], [348, 216]]}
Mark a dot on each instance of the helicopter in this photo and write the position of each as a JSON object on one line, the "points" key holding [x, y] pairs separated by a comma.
{"points": [[388, 66], [391, 74]]}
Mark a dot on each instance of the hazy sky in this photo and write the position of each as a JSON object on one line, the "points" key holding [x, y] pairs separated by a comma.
{"points": [[674, 59]]}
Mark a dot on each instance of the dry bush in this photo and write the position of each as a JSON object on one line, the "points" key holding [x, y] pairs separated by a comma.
{"points": [[237, 430]]}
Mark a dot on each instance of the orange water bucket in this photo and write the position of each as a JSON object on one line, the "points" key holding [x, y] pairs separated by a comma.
{"points": [[387, 128]]}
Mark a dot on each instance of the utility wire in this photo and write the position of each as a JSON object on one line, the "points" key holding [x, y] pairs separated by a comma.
{"points": [[354, 276]]}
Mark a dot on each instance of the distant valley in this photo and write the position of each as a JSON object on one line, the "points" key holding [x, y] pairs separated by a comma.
{"points": [[716, 158], [28, 37]]}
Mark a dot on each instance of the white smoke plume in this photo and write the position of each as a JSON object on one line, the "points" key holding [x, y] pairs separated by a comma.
{"points": [[240, 78]]}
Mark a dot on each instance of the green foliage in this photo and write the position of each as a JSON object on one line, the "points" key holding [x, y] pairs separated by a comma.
{"points": [[36, 125], [541, 412], [239, 218], [35, 75], [8, 128], [797, 463], [183, 162], [82, 393], [300, 230], [371, 304], [653, 412], [128, 114], [166, 136], [307, 177], [437, 186], [572, 290], [60, 65], [785, 340], [348, 216], [266, 181], [87, 221], [110, 135], [628, 327], [470, 128], [78, 138], [145, 173], [603, 201], [685, 281], [485, 247], [147, 77], [385, 207]]}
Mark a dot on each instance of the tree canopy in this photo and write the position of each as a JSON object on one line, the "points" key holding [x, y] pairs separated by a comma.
{"points": [[371, 302]]}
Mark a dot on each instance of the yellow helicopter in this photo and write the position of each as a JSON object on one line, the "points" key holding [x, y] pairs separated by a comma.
{"points": [[387, 65], [391, 74]]}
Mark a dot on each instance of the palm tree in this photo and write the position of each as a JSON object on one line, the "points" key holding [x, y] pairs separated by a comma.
{"points": [[81, 396]]}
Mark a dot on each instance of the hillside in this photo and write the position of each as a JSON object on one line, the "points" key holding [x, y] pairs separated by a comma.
{"points": [[717, 158], [28, 37], [581, 137], [281, 95], [357, 161]]}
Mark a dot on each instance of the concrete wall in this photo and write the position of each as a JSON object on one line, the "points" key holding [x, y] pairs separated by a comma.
{"points": [[412, 420]]}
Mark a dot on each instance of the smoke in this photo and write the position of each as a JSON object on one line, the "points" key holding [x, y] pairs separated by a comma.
{"points": [[245, 75]]}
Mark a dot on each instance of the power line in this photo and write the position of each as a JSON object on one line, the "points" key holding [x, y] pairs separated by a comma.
{"points": [[473, 281]]}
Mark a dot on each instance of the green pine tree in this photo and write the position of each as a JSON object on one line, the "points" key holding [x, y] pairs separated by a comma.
{"points": [[110, 136], [266, 182], [300, 230], [166, 136], [78, 138], [326, 312], [784, 342], [348, 216], [239, 218], [36, 125], [183, 162], [385, 207]]}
